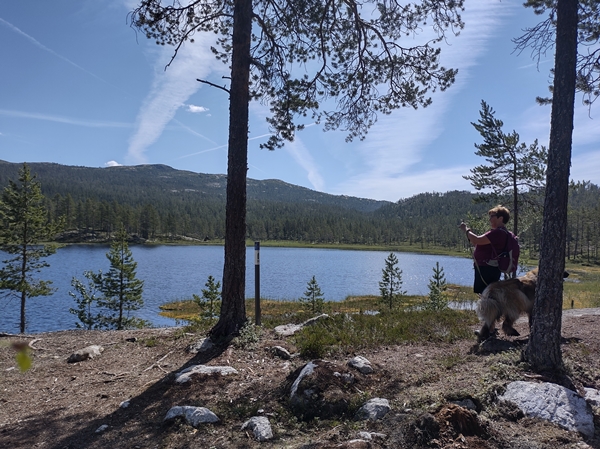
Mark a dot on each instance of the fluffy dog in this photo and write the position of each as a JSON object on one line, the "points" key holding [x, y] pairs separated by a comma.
{"points": [[509, 298]]}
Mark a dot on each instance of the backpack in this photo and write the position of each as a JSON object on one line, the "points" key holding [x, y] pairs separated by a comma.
{"points": [[508, 259]]}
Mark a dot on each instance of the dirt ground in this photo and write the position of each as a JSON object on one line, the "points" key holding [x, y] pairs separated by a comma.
{"points": [[57, 404]]}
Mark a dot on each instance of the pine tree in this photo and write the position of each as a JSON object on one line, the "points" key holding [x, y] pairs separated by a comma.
{"points": [[512, 168], [390, 285], [121, 290], [436, 300], [313, 297], [23, 228]]}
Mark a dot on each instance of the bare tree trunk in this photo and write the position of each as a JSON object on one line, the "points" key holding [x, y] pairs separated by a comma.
{"points": [[543, 351], [233, 306], [23, 282], [515, 203]]}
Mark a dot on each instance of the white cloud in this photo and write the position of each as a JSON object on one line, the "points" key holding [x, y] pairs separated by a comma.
{"points": [[64, 120], [397, 142], [304, 159], [171, 89], [112, 164], [196, 109], [409, 184]]}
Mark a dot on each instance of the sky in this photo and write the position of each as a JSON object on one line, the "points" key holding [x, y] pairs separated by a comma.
{"points": [[79, 86]]}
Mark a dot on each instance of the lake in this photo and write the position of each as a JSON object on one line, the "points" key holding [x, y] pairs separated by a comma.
{"points": [[176, 272]]}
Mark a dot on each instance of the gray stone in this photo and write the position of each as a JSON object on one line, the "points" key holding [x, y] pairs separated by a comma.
{"points": [[285, 330], [194, 416], [361, 364], [552, 403], [86, 353], [373, 409], [260, 427], [592, 396], [102, 428], [186, 374], [201, 346]]}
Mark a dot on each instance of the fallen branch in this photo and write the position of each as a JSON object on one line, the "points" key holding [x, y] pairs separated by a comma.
{"points": [[32, 342], [158, 361]]}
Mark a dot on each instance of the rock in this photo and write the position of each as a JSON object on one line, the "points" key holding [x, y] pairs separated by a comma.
{"points": [[86, 353], [260, 427], [124, 404], [592, 396], [361, 364], [281, 352], [102, 428], [194, 416], [285, 330], [373, 409], [186, 374], [553, 403], [201, 346]]}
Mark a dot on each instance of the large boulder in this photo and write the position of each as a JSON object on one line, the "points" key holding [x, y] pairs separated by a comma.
{"points": [[553, 403], [260, 427], [186, 374], [86, 353], [194, 416]]}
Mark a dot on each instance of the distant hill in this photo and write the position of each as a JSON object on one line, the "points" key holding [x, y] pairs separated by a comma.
{"points": [[139, 183], [157, 202]]}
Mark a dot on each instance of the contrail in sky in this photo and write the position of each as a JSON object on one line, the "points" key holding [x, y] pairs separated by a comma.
{"points": [[49, 50]]}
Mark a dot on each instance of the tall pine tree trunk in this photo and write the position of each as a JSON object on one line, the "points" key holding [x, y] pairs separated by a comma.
{"points": [[233, 306], [23, 281], [543, 351]]}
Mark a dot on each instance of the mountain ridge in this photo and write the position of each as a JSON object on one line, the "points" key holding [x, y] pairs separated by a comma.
{"points": [[97, 180]]}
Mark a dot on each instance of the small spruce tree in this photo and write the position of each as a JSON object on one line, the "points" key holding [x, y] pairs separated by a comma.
{"points": [[210, 301], [390, 285], [436, 300], [121, 290], [313, 297]]}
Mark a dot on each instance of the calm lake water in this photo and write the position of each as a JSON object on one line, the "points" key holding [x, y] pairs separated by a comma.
{"points": [[176, 272]]}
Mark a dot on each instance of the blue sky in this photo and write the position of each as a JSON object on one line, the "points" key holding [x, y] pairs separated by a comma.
{"points": [[78, 86]]}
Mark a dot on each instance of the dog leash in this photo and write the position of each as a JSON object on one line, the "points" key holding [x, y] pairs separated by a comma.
{"points": [[475, 262]]}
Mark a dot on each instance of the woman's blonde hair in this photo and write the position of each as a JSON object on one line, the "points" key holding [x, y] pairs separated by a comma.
{"points": [[500, 211]]}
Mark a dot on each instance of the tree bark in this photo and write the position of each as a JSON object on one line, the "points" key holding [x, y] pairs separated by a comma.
{"points": [[233, 305], [543, 351]]}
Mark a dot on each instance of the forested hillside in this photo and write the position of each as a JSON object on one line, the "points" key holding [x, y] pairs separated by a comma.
{"points": [[159, 202]]}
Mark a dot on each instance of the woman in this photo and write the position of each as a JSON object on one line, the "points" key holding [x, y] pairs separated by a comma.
{"points": [[487, 247]]}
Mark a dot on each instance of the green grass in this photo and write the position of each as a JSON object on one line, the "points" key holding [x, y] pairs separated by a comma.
{"points": [[582, 287], [350, 333]]}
